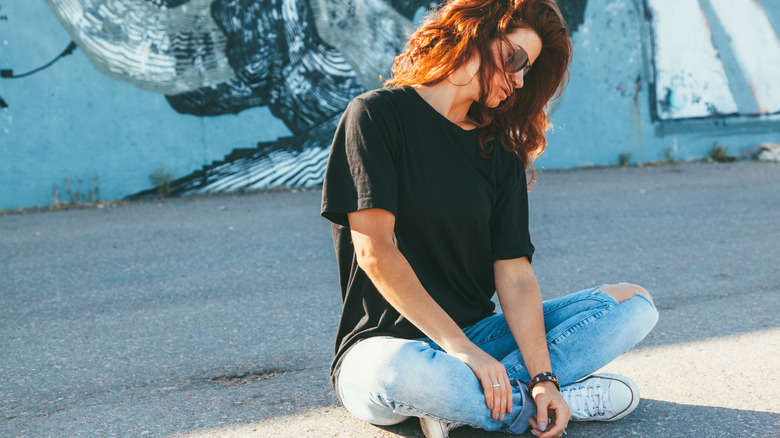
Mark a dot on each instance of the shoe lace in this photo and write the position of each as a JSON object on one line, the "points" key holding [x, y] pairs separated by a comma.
{"points": [[586, 400]]}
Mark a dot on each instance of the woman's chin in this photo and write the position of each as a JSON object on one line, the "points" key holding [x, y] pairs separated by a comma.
{"points": [[493, 102]]}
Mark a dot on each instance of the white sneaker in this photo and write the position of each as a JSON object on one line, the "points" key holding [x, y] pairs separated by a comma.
{"points": [[601, 397], [437, 429]]}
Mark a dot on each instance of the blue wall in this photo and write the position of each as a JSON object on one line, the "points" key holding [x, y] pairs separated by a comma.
{"points": [[72, 122]]}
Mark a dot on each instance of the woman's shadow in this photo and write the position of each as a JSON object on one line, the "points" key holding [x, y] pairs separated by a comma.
{"points": [[652, 419]]}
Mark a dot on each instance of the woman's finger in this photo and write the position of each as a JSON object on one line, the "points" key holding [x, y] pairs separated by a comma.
{"points": [[487, 388], [509, 398], [558, 420], [562, 413], [542, 402], [534, 426], [553, 431], [499, 392]]}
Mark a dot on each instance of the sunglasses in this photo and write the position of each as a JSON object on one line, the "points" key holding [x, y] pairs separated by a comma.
{"points": [[517, 61]]}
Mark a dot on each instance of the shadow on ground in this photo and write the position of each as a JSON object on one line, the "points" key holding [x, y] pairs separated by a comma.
{"points": [[653, 418]]}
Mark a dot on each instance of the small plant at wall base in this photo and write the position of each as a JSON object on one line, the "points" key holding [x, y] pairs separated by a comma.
{"points": [[56, 202], [625, 158], [75, 196], [719, 153], [669, 158], [162, 179], [669, 155]]}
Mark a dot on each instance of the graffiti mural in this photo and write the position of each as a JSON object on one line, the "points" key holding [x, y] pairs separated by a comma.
{"points": [[281, 61], [305, 60], [244, 66]]}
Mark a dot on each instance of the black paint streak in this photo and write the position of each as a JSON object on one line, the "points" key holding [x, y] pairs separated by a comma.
{"points": [[652, 91], [9, 73], [2, 103], [229, 97], [168, 3], [408, 8], [573, 12], [665, 104]]}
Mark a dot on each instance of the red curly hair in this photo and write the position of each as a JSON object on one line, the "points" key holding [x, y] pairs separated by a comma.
{"points": [[451, 35]]}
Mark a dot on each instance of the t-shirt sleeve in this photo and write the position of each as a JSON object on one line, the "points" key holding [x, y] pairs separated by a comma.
{"points": [[361, 169], [509, 233]]}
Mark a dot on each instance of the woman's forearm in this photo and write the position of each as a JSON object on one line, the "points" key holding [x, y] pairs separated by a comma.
{"points": [[395, 279], [521, 302]]}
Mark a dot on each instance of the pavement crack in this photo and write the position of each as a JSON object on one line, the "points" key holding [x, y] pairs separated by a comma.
{"points": [[246, 378]]}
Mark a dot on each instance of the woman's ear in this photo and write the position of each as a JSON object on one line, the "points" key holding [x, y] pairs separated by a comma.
{"points": [[472, 65]]}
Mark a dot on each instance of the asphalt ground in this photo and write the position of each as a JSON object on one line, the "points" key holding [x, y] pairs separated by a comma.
{"points": [[215, 317]]}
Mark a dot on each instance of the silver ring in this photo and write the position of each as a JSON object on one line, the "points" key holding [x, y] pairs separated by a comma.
{"points": [[496, 385]]}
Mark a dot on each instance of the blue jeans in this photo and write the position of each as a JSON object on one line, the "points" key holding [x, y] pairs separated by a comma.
{"points": [[385, 380]]}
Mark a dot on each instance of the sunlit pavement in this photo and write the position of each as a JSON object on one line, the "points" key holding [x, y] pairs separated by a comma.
{"points": [[215, 317]]}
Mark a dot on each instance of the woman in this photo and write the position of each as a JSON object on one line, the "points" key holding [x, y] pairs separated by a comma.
{"points": [[427, 192]]}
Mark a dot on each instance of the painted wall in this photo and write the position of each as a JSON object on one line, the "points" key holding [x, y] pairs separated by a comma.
{"points": [[245, 94], [649, 78]]}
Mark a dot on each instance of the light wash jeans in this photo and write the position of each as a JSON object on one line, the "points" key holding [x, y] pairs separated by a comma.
{"points": [[385, 380]]}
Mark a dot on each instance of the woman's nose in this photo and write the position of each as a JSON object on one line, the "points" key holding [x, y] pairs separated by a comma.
{"points": [[517, 79]]}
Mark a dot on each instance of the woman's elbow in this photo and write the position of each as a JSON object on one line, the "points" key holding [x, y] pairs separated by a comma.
{"points": [[371, 255], [367, 257]]}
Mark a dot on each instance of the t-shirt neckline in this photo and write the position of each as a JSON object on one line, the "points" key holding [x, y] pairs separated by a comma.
{"points": [[441, 116]]}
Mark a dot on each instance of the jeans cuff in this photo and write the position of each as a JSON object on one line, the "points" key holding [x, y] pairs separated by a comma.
{"points": [[520, 423]]}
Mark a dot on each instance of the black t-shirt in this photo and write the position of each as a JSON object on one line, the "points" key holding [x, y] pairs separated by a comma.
{"points": [[455, 211]]}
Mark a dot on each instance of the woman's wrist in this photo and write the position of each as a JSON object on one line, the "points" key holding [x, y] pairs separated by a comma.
{"points": [[546, 377], [457, 343], [543, 387]]}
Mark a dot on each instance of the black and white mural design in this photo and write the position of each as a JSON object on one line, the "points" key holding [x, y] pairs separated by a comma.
{"points": [[304, 59]]}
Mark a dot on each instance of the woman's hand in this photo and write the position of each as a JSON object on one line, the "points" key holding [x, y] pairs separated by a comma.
{"points": [[552, 412], [492, 374]]}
